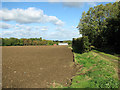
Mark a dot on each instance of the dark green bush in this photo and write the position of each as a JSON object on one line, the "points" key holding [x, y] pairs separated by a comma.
{"points": [[81, 44]]}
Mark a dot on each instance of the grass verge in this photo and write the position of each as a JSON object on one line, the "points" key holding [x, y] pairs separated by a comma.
{"points": [[97, 72], [115, 57]]}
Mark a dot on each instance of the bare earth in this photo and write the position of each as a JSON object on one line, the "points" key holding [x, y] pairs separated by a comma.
{"points": [[35, 66]]}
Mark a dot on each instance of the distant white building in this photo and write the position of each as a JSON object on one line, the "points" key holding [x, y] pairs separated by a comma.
{"points": [[62, 43]]}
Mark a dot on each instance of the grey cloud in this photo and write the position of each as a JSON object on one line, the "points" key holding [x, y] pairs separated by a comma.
{"points": [[73, 4]]}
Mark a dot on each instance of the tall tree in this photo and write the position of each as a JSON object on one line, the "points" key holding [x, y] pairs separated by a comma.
{"points": [[96, 24]]}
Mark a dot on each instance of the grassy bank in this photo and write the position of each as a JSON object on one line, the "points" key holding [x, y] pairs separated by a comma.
{"points": [[97, 71], [110, 56]]}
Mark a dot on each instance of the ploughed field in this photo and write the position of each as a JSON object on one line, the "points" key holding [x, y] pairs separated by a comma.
{"points": [[36, 66]]}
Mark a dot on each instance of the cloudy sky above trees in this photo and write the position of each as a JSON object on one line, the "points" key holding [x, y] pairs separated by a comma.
{"points": [[50, 20]]}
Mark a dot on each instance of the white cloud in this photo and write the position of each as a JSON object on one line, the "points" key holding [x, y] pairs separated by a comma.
{"points": [[23, 27], [22, 33], [29, 15], [25, 31], [44, 28], [59, 29], [5, 25], [30, 28], [63, 34]]}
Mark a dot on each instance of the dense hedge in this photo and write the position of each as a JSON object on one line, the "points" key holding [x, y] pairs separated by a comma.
{"points": [[81, 44]]}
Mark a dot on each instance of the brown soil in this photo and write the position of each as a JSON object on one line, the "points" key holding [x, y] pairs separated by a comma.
{"points": [[36, 66]]}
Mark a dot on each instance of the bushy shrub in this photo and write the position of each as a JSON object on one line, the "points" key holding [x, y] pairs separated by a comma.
{"points": [[81, 44]]}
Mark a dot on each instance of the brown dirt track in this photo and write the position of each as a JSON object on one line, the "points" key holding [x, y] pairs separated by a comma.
{"points": [[35, 66]]}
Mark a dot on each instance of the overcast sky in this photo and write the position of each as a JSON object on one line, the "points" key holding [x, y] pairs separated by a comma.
{"points": [[51, 21]]}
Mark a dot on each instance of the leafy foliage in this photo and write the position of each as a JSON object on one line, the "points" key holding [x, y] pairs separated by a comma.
{"points": [[81, 44], [102, 25]]}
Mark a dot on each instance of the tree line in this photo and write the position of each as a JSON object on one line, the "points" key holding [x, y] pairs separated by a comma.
{"points": [[31, 41], [101, 24]]}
